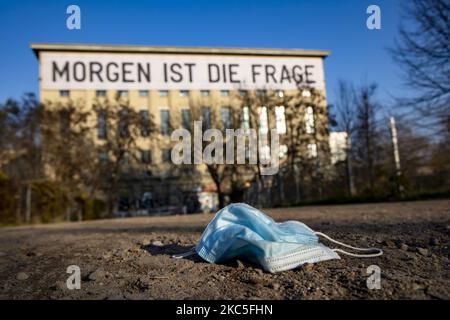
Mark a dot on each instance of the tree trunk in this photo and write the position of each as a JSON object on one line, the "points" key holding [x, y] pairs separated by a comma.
{"points": [[297, 185], [348, 162]]}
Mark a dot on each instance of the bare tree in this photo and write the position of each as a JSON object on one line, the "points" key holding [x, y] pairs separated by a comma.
{"points": [[423, 52], [346, 121], [119, 128], [366, 142], [221, 174], [306, 142]]}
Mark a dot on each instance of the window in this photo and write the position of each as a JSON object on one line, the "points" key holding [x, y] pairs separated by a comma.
{"points": [[102, 157], [204, 93], [165, 122], [206, 118], [243, 93], [280, 119], [122, 94], [145, 122], [166, 155], [143, 93], [124, 158], [186, 119], [101, 125], [280, 93], [163, 93], [261, 93], [123, 123], [263, 120], [224, 93], [312, 150], [225, 113], [64, 93], [309, 120], [100, 93], [146, 156], [306, 93], [245, 118], [184, 93], [146, 201]]}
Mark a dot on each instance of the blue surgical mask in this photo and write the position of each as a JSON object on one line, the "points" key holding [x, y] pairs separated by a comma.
{"points": [[241, 231]]}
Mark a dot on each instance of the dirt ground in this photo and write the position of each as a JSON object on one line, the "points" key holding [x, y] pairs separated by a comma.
{"points": [[131, 258]]}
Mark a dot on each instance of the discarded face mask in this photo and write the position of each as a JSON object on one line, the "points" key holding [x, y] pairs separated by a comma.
{"points": [[241, 231]]}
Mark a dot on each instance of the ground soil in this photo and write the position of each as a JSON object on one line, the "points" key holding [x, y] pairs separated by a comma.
{"points": [[131, 258]]}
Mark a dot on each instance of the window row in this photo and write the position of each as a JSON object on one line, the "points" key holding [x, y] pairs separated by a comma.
{"points": [[165, 93], [226, 119], [145, 157]]}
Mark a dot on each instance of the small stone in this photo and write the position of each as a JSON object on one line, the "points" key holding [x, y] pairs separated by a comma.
{"points": [[389, 243], [157, 243], [274, 285], [143, 284], [434, 241], [404, 247], [417, 286], [120, 253], [422, 251], [22, 276], [253, 280], [145, 242], [411, 256], [107, 256], [308, 267], [97, 275], [240, 265], [59, 285]]}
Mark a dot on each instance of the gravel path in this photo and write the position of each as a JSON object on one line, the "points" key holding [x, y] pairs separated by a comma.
{"points": [[130, 258]]}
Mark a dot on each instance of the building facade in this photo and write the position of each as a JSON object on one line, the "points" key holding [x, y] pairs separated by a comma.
{"points": [[166, 84]]}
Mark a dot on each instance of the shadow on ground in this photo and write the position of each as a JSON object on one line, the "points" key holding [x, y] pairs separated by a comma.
{"points": [[172, 249]]}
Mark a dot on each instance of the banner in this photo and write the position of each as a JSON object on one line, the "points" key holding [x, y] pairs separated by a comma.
{"points": [[106, 71]]}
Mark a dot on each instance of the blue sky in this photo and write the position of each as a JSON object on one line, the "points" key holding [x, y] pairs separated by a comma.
{"points": [[339, 26]]}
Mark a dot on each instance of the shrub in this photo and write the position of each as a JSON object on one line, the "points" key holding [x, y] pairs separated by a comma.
{"points": [[9, 201], [48, 202]]}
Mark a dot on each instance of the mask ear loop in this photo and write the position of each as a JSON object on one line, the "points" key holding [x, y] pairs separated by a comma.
{"points": [[369, 255], [189, 253]]}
